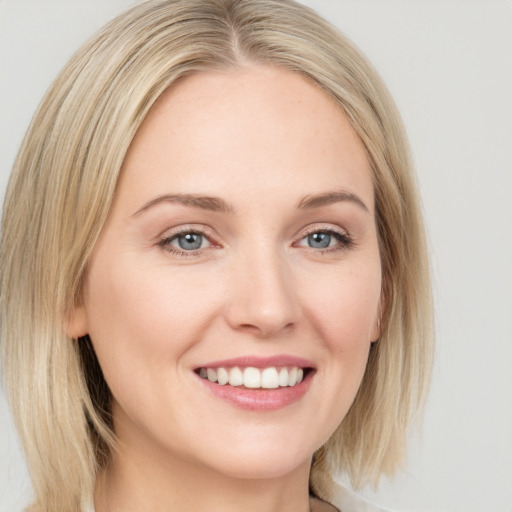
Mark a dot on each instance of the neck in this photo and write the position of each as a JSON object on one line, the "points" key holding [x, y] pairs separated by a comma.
{"points": [[135, 481]]}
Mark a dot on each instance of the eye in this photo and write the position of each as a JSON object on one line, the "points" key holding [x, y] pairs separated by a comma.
{"points": [[319, 240], [329, 239], [185, 242], [189, 241]]}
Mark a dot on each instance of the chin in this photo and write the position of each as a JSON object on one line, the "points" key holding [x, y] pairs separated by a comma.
{"points": [[263, 469], [262, 459]]}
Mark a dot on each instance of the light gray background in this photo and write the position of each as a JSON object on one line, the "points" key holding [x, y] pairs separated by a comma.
{"points": [[449, 66]]}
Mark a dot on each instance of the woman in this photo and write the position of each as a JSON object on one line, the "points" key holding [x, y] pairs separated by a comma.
{"points": [[215, 288]]}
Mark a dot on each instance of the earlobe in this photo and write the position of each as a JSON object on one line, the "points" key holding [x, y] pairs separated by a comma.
{"points": [[377, 329], [75, 322], [381, 310]]}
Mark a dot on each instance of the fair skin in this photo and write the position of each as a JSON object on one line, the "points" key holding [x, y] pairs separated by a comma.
{"points": [[281, 269]]}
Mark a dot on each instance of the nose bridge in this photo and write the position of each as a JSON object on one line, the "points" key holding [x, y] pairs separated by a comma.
{"points": [[263, 299]]}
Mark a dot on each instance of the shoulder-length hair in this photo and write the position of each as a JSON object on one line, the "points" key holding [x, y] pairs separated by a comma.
{"points": [[61, 189]]}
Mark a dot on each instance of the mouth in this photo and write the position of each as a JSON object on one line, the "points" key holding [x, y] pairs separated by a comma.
{"points": [[258, 384], [249, 377]]}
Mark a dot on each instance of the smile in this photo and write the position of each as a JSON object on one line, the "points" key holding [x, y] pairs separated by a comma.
{"points": [[254, 378], [258, 383]]}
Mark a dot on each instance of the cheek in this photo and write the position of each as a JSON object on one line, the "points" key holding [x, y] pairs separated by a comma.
{"points": [[142, 323], [140, 318], [341, 306], [344, 306]]}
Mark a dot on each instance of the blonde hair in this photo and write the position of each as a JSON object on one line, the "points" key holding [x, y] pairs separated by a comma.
{"points": [[62, 187]]}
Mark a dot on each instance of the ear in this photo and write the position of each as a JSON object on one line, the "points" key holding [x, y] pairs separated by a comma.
{"points": [[377, 329], [75, 322]]}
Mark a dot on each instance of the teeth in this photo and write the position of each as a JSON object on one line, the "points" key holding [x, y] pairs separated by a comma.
{"points": [[283, 377], [254, 378], [222, 376], [269, 378], [292, 377], [236, 377]]}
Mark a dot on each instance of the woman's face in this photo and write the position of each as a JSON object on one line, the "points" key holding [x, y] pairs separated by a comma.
{"points": [[241, 247]]}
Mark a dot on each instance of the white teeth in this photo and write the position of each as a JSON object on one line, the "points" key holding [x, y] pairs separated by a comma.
{"points": [[292, 377], [283, 377], [222, 376], [254, 378], [269, 378], [236, 377]]}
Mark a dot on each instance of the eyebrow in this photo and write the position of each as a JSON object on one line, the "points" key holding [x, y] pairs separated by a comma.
{"points": [[214, 204], [327, 198]]}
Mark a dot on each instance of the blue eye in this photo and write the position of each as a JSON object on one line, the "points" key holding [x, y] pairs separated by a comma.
{"points": [[188, 241], [326, 239], [319, 240]]}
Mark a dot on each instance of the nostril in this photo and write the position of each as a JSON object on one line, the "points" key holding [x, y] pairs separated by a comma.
{"points": [[263, 305]]}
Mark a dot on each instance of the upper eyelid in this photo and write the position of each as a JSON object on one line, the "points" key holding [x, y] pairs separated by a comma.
{"points": [[187, 228], [211, 235], [321, 227], [164, 241], [343, 236]]}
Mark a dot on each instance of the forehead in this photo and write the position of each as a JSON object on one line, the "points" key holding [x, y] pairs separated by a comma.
{"points": [[258, 127]]}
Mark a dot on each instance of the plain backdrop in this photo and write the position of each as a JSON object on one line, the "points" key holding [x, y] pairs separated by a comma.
{"points": [[448, 64]]}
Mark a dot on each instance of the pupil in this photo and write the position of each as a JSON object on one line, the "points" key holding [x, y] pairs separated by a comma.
{"points": [[319, 240], [190, 241]]}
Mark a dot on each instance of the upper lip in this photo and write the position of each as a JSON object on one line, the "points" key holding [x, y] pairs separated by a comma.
{"points": [[259, 362]]}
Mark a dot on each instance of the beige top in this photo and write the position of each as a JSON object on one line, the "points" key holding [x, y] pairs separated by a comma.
{"points": [[348, 501]]}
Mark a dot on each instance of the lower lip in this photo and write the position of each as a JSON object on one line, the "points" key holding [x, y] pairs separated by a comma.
{"points": [[260, 399]]}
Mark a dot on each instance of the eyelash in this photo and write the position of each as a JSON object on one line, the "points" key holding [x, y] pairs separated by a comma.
{"points": [[165, 242], [344, 240]]}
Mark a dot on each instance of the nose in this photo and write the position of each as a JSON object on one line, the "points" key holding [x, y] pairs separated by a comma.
{"points": [[262, 298]]}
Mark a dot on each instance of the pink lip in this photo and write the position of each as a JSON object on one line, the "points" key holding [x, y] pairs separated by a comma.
{"points": [[260, 362], [260, 399]]}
